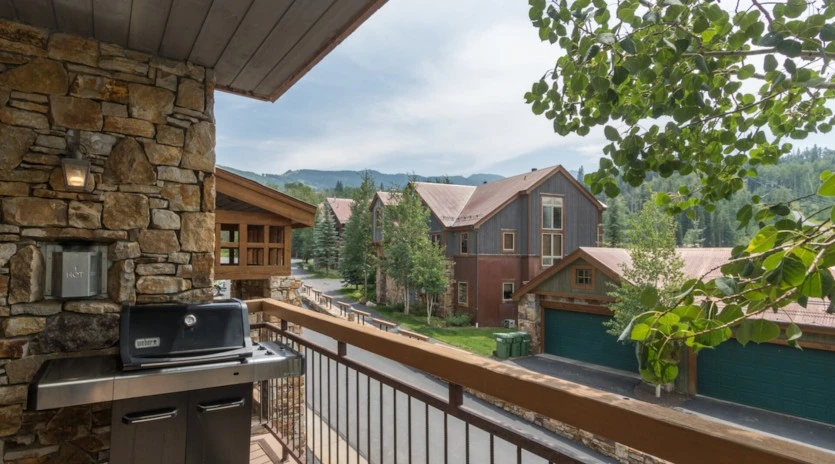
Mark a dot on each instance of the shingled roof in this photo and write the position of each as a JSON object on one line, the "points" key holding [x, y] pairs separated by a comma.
{"points": [[341, 208], [465, 205]]}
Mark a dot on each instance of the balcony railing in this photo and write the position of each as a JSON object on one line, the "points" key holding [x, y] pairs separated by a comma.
{"points": [[349, 410]]}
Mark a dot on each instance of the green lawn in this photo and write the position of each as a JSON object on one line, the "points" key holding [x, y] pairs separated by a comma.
{"points": [[479, 340], [355, 293]]}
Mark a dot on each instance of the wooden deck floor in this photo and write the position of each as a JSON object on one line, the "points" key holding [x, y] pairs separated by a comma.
{"points": [[264, 449]]}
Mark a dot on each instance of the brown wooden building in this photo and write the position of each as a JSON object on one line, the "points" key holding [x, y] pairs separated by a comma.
{"points": [[253, 228]]}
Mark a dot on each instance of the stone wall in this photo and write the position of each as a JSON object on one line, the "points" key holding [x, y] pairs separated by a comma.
{"points": [[147, 126], [529, 320]]}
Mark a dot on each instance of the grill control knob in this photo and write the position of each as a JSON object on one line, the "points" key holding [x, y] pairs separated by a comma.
{"points": [[190, 320]]}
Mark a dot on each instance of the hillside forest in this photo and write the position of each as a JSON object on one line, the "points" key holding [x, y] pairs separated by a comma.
{"points": [[795, 177]]}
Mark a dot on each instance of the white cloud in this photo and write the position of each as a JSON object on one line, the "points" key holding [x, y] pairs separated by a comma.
{"points": [[458, 72]]}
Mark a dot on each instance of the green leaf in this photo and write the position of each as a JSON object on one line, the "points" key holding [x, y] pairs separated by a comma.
{"points": [[726, 285], [793, 332], [771, 39], [790, 48], [828, 188], [701, 64], [770, 63], [606, 38], [773, 260], [729, 313], [812, 286], [611, 133], [628, 46], [763, 331], [827, 32], [649, 297], [794, 272], [639, 332], [688, 313], [764, 240], [591, 53]]}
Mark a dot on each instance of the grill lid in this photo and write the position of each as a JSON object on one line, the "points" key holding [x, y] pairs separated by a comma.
{"points": [[174, 334]]}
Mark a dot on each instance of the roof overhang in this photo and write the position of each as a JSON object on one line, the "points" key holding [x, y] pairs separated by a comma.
{"points": [[257, 48], [300, 213]]}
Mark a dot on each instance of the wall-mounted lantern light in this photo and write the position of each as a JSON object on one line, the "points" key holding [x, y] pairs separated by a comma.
{"points": [[76, 169]]}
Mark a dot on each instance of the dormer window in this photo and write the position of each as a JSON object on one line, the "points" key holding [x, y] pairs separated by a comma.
{"points": [[465, 243]]}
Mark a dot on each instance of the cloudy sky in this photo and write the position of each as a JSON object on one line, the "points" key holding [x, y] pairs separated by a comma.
{"points": [[425, 86]]}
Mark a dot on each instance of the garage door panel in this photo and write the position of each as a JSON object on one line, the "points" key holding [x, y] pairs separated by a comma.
{"points": [[583, 337], [773, 377]]}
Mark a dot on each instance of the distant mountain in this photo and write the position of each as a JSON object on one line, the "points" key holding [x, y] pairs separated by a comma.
{"points": [[321, 180]]}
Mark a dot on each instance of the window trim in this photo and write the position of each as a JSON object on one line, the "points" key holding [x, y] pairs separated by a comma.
{"points": [[542, 211], [461, 240], [466, 293], [512, 233], [542, 246], [435, 238], [575, 284], [512, 290], [378, 220]]}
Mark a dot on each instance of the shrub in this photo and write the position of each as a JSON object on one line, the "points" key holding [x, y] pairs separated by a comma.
{"points": [[459, 320]]}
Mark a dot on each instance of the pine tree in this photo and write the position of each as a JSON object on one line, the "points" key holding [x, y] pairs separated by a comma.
{"points": [[581, 174], [695, 235], [613, 228], [329, 242], [357, 256]]}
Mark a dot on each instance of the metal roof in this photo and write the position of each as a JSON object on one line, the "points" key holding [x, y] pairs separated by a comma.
{"points": [[489, 197], [445, 200], [341, 208], [258, 48]]}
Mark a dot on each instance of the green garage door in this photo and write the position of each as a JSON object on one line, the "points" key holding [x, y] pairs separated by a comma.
{"points": [[583, 337], [773, 377]]}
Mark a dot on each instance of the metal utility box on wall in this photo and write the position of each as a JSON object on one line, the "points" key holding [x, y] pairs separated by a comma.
{"points": [[75, 271]]}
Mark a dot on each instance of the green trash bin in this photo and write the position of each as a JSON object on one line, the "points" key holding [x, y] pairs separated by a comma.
{"points": [[526, 343], [503, 345], [516, 348]]}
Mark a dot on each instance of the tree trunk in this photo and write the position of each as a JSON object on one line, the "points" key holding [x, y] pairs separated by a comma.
{"points": [[405, 299], [428, 309]]}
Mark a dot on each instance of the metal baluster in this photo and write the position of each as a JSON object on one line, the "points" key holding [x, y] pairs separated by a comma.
{"points": [[409, 425], [446, 440], [467, 442], [381, 422], [394, 423], [329, 409], [492, 455], [337, 411], [321, 405], [368, 417], [426, 430], [518, 455]]}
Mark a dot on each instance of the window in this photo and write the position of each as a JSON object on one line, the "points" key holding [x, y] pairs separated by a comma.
{"points": [[462, 293], [509, 241], [552, 213], [507, 290], [551, 248], [465, 243], [583, 277], [378, 220], [600, 236], [436, 239]]}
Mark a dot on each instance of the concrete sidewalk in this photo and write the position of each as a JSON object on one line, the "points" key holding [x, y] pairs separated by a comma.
{"points": [[623, 383]]}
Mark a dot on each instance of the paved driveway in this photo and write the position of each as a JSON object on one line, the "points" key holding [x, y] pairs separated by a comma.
{"points": [[382, 440]]}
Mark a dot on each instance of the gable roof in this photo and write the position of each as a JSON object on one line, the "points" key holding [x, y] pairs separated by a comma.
{"points": [[341, 208], [446, 201], [242, 190], [466, 205], [386, 198], [698, 262]]}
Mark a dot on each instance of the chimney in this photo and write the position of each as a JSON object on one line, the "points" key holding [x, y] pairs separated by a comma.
{"points": [[533, 169]]}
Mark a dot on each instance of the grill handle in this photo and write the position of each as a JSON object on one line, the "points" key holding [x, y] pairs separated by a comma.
{"points": [[149, 416], [209, 407]]}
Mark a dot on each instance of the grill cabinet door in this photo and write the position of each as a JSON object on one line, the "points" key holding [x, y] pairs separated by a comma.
{"points": [[219, 425], [149, 429]]}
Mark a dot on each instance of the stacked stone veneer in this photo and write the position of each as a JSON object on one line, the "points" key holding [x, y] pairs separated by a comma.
{"points": [[147, 126], [529, 320]]}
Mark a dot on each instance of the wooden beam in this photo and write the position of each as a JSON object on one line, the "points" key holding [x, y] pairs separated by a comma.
{"points": [[578, 296], [577, 308], [653, 429], [264, 197], [254, 217], [250, 272]]}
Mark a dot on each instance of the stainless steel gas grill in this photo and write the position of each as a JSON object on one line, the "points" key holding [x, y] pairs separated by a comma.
{"points": [[181, 387]]}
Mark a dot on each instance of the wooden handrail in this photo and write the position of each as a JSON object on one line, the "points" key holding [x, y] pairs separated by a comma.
{"points": [[653, 429], [415, 335]]}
